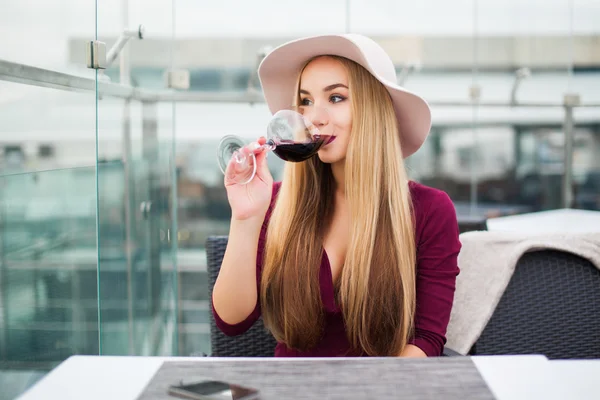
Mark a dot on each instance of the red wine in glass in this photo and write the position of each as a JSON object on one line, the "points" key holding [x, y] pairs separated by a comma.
{"points": [[294, 134], [289, 150]]}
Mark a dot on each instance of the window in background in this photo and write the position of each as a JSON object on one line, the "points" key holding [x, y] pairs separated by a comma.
{"points": [[539, 171]]}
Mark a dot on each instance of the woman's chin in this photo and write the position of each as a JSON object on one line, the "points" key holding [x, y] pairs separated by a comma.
{"points": [[328, 157]]}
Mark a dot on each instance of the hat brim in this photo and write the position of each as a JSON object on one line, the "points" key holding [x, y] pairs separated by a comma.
{"points": [[279, 70]]}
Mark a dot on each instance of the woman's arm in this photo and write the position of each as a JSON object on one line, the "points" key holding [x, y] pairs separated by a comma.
{"points": [[235, 304], [412, 351], [235, 292], [438, 246]]}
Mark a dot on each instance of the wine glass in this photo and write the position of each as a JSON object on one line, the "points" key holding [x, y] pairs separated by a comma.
{"points": [[294, 134]]}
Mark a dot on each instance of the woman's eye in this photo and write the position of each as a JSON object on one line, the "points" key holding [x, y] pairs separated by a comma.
{"points": [[336, 98], [305, 102]]}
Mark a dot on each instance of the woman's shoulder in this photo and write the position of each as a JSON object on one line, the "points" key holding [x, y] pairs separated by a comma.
{"points": [[430, 202], [423, 195]]}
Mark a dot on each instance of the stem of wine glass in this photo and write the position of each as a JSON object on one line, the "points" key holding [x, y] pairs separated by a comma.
{"points": [[246, 163], [245, 167]]}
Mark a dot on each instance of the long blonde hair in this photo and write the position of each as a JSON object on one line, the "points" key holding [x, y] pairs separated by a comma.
{"points": [[376, 288]]}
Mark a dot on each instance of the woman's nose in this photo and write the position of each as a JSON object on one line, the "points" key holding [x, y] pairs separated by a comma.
{"points": [[318, 116]]}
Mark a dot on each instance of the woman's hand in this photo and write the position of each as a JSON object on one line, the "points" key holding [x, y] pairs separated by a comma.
{"points": [[250, 200]]}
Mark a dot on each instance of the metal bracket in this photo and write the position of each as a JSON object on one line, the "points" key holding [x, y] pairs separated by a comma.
{"points": [[178, 79], [96, 55], [252, 79], [408, 69], [145, 208], [520, 74], [98, 58], [475, 93], [571, 100], [122, 41]]}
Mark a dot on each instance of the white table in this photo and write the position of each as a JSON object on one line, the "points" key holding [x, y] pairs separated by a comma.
{"points": [[552, 221], [124, 378], [580, 378], [570, 379]]}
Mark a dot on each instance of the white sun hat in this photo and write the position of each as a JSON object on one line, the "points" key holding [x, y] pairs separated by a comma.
{"points": [[278, 73]]}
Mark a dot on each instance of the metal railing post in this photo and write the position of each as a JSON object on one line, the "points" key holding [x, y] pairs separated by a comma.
{"points": [[570, 101]]}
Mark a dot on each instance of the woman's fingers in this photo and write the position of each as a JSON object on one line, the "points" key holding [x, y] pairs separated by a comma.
{"points": [[244, 158]]}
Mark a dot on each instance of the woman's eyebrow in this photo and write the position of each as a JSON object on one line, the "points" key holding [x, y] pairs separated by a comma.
{"points": [[326, 88], [334, 86]]}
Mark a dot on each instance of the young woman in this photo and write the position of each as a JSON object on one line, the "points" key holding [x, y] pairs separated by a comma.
{"points": [[346, 256]]}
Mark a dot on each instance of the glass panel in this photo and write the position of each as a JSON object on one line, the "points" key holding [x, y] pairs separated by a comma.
{"points": [[48, 242], [540, 167], [48, 283], [48, 34], [47, 269], [43, 129], [48, 294], [137, 267], [586, 167]]}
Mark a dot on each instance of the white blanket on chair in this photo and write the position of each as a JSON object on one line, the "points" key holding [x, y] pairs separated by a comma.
{"points": [[487, 261]]}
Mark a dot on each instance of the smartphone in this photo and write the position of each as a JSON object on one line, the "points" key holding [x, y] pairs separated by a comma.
{"points": [[213, 390]]}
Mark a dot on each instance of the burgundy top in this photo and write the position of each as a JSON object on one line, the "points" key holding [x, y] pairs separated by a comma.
{"points": [[437, 252]]}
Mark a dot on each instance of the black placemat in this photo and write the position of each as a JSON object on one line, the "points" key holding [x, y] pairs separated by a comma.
{"points": [[369, 378]]}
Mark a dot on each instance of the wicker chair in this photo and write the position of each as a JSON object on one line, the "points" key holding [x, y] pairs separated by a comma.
{"points": [[257, 341], [551, 306]]}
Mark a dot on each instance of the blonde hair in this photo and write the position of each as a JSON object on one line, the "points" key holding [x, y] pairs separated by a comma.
{"points": [[376, 288]]}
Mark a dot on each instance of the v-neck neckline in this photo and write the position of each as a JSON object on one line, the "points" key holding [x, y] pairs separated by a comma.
{"points": [[327, 287]]}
